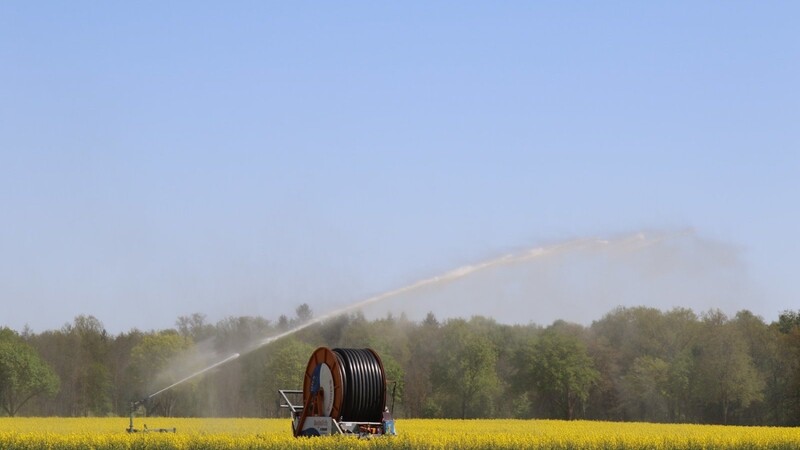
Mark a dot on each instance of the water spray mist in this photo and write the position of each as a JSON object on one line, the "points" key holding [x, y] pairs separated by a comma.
{"points": [[633, 242]]}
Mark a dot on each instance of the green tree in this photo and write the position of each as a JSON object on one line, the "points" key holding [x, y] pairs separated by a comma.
{"points": [[763, 346], [647, 389], [464, 371], [304, 313], [418, 397], [119, 356], [89, 380], [557, 366], [788, 320], [23, 374], [726, 377], [784, 384], [618, 342], [194, 327], [793, 386]]}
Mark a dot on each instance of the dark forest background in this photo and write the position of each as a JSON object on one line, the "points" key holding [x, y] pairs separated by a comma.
{"points": [[634, 364]]}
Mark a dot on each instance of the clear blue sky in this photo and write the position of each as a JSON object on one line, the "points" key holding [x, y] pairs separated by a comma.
{"points": [[232, 158]]}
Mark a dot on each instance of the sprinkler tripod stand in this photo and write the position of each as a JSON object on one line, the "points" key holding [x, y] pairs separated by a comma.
{"points": [[135, 406]]}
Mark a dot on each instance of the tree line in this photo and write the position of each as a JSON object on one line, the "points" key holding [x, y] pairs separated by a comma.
{"points": [[634, 364]]}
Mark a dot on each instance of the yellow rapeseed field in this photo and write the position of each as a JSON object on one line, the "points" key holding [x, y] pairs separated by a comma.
{"points": [[223, 434]]}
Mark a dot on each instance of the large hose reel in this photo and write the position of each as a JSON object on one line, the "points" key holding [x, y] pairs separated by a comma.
{"points": [[344, 384]]}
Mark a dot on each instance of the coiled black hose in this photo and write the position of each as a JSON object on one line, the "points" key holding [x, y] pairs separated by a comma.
{"points": [[364, 384]]}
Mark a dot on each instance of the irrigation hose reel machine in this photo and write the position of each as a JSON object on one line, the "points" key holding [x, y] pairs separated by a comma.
{"points": [[344, 392]]}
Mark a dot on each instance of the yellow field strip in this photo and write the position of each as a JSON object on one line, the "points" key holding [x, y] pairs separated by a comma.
{"points": [[224, 434]]}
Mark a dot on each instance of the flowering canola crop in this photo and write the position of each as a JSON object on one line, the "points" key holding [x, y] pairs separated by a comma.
{"points": [[256, 434]]}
